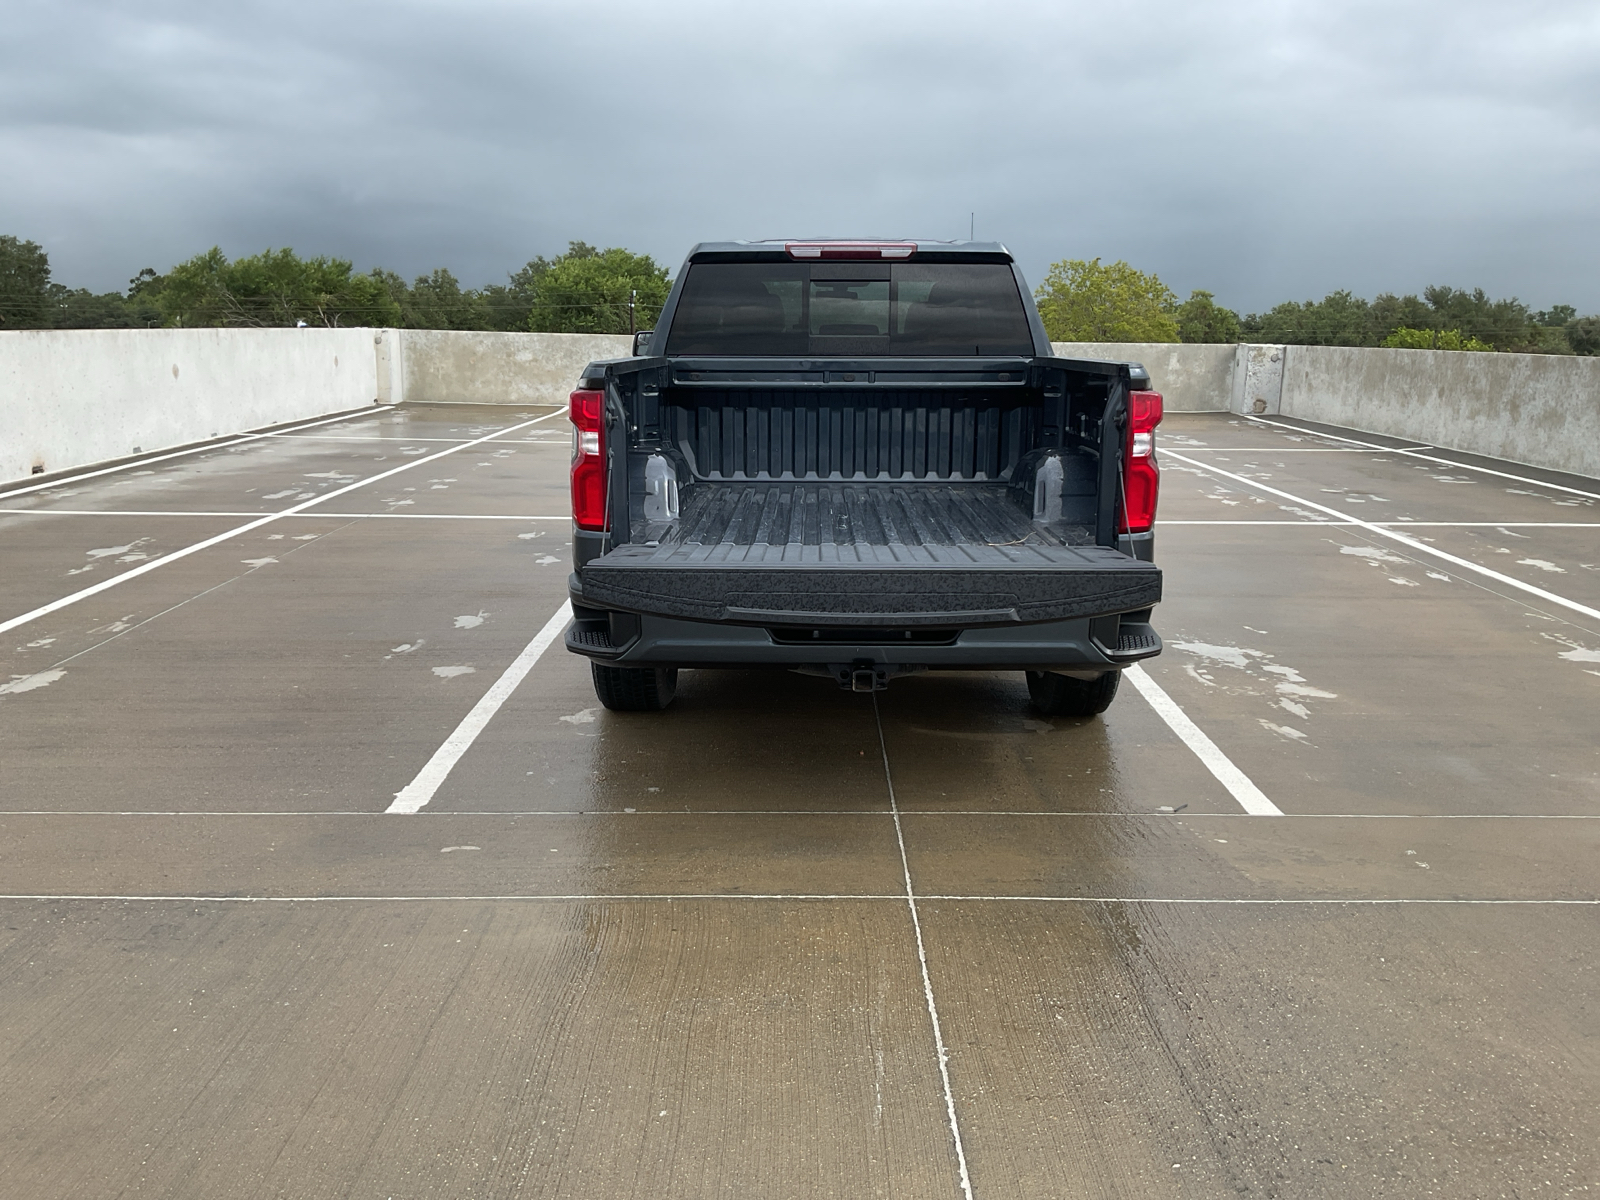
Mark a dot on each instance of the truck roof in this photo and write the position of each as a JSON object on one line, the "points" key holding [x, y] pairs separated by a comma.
{"points": [[765, 247]]}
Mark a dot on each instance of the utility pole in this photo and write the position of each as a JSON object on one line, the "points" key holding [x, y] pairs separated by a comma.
{"points": [[972, 227], [632, 297]]}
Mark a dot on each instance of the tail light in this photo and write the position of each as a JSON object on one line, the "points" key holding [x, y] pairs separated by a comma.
{"points": [[587, 410], [1141, 477], [804, 250]]}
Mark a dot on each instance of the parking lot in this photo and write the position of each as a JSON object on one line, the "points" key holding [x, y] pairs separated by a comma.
{"points": [[1312, 911]]}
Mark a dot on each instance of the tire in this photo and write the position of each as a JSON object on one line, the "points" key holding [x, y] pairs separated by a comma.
{"points": [[1063, 696], [635, 689]]}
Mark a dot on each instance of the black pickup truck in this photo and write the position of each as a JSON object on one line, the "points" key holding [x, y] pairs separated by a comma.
{"points": [[861, 460]]}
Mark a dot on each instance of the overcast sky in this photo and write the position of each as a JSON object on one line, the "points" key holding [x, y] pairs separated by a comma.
{"points": [[1263, 151]]}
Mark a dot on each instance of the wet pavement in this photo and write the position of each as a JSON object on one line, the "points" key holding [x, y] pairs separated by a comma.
{"points": [[783, 940]]}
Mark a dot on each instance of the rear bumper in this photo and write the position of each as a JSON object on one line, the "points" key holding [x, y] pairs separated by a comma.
{"points": [[1101, 643]]}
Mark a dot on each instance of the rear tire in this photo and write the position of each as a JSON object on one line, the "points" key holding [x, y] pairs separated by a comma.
{"points": [[634, 689], [1063, 696]]}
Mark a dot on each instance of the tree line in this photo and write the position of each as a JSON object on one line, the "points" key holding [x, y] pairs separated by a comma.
{"points": [[588, 290], [585, 290], [1087, 301]]}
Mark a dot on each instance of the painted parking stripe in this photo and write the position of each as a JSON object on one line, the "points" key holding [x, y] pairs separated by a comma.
{"points": [[153, 564], [1186, 814], [1293, 449], [871, 897], [416, 794], [963, 1176], [363, 437], [66, 480], [1402, 524], [1412, 453], [1250, 797], [1394, 534], [321, 516]]}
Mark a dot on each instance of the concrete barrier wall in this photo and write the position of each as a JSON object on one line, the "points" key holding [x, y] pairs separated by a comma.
{"points": [[73, 397], [461, 367], [1540, 409], [1189, 378]]}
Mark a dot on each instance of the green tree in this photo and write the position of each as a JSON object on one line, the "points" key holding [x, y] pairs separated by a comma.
{"points": [[1504, 324], [1432, 339], [506, 308], [1338, 319], [510, 304], [1201, 319], [437, 301], [1546, 339], [275, 287], [79, 308], [395, 288], [24, 284], [1086, 302], [595, 291], [1556, 316], [1583, 335], [1391, 312], [140, 304], [1343, 319]]}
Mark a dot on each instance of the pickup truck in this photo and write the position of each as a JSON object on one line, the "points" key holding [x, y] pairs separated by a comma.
{"points": [[861, 460]]}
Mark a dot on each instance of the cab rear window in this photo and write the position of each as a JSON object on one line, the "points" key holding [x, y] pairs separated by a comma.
{"points": [[850, 308]]}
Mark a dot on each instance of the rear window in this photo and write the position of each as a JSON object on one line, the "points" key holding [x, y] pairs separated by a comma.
{"points": [[850, 308]]}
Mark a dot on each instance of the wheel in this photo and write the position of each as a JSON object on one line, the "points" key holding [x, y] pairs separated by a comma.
{"points": [[1063, 696], [635, 689]]}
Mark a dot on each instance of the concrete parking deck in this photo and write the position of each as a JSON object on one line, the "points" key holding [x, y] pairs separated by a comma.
{"points": [[783, 940]]}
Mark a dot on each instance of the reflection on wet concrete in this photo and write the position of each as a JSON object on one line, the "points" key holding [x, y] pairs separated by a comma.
{"points": [[970, 741], [470, 1049], [1175, 1051]]}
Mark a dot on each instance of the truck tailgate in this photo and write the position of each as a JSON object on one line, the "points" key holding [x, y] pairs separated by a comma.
{"points": [[874, 553]]}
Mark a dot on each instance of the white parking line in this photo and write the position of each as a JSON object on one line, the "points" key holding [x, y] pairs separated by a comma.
{"points": [[1449, 462], [1413, 543], [319, 516], [1184, 815], [343, 437], [877, 897], [1289, 449], [1250, 797], [1406, 524], [153, 564], [922, 961], [419, 791], [65, 480], [564, 517], [360, 437], [1320, 524], [1246, 901]]}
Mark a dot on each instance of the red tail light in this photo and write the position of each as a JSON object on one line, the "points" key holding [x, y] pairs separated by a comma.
{"points": [[587, 410], [1141, 477]]}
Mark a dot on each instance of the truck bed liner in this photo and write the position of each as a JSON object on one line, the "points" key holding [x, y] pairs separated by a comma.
{"points": [[873, 522]]}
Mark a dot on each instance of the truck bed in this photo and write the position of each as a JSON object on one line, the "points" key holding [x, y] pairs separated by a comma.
{"points": [[872, 522]]}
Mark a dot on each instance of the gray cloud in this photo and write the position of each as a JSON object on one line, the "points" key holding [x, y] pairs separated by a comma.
{"points": [[1260, 150]]}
